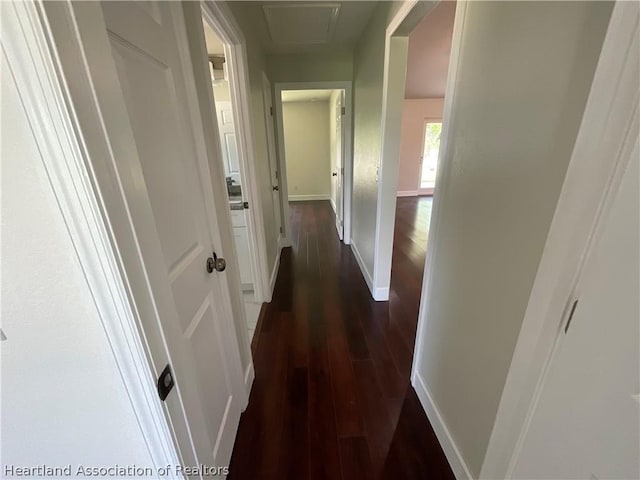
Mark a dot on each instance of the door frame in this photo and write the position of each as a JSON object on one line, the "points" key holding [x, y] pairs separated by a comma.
{"points": [[410, 13], [219, 17], [420, 190], [347, 149], [27, 42]]}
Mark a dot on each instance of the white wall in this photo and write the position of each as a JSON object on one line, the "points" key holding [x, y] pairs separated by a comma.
{"points": [[368, 74], [524, 74], [414, 114], [307, 149], [316, 67], [63, 399]]}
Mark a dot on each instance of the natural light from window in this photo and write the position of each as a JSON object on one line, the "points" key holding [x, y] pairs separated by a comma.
{"points": [[432, 131]]}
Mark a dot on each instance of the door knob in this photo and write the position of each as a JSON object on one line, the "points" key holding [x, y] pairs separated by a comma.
{"points": [[215, 263], [276, 188]]}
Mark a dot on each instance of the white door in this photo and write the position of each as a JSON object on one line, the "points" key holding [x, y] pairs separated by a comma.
{"points": [[586, 424], [228, 140], [339, 172], [144, 85], [273, 162], [243, 251]]}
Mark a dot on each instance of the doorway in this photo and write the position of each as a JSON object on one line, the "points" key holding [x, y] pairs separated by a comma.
{"points": [[312, 121], [314, 128], [236, 172], [428, 52]]}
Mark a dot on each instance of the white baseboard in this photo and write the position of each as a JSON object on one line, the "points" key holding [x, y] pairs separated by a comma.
{"points": [[302, 198], [333, 205], [451, 451], [274, 271], [249, 375], [407, 193], [365, 273], [282, 241], [381, 294]]}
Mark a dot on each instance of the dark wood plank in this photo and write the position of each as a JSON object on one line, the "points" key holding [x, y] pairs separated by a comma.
{"points": [[324, 463], [331, 397], [294, 454], [261, 425], [377, 418], [415, 453], [347, 410], [356, 461]]}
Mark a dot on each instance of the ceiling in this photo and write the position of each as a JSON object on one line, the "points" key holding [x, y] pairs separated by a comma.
{"points": [[429, 52], [306, 95], [304, 27]]}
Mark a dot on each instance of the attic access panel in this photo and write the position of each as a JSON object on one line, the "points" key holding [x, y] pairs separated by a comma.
{"points": [[301, 24]]}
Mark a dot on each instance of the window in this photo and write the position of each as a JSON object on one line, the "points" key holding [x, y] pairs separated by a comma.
{"points": [[432, 131]]}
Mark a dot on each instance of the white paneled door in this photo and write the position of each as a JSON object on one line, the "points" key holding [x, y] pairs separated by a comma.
{"points": [[338, 175], [273, 163], [145, 86]]}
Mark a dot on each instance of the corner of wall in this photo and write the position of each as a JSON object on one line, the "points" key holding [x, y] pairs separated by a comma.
{"points": [[363, 268]]}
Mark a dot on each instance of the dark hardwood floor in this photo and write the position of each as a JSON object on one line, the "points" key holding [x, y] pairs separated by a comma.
{"points": [[331, 398]]}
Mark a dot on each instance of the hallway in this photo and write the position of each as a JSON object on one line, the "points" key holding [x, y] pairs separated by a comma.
{"points": [[331, 398]]}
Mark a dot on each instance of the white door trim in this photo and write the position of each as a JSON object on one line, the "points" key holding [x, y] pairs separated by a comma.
{"points": [[220, 18], [347, 149], [395, 63], [27, 44], [603, 148]]}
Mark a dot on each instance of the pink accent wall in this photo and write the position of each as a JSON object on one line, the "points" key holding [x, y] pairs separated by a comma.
{"points": [[429, 52], [414, 114]]}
